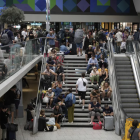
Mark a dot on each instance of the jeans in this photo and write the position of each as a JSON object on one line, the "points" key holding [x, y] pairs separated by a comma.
{"points": [[90, 66], [52, 68], [65, 110]]}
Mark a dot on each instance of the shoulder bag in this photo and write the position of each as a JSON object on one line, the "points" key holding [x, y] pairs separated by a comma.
{"points": [[69, 103], [84, 83], [132, 133]]}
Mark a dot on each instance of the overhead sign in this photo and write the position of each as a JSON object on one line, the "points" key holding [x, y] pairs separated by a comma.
{"points": [[16, 26], [36, 24]]}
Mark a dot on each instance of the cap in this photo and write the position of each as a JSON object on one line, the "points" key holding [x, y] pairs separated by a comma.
{"points": [[49, 88], [90, 46]]}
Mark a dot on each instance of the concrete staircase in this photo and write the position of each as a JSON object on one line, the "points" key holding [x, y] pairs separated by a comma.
{"points": [[127, 87], [73, 67]]}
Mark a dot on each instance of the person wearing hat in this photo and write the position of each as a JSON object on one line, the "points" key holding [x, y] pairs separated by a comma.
{"points": [[94, 76], [50, 96], [89, 52]]}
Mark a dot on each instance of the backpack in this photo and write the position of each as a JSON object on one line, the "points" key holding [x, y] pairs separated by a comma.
{"points": [[4, 38], [78, 38], [61, 35]]}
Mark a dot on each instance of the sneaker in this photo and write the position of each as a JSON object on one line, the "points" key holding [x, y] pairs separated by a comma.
{"points": [[109, 99], [103, 99], [71, 122], [90, 123], [47, 107], [86, 72], [83, 108], [92, 84], [63, 83], [77, 55]]}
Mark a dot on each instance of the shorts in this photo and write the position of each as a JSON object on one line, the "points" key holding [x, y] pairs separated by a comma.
{"points": [[79, 45], [92, 113], [17, 103], [11, 108], [82, 94]]}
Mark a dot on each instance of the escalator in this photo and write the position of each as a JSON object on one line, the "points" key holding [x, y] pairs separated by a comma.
{"points": [[124, 74], [127, 86]]}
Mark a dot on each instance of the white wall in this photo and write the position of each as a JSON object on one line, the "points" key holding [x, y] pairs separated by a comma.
{"points": [[94, 18], [35, 17]]}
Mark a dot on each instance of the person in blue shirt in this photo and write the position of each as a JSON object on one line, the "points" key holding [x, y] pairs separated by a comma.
{"points": [[63, 48], [69, 97], [92, 62], [51, 39]]}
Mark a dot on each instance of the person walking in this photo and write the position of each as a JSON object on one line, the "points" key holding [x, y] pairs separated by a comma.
{"points": [[70, 97], [134, 132], [119, 37], [81, 87], [78, 39]]}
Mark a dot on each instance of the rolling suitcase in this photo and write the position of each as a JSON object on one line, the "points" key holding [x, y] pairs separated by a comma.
{"points": [[11, 135], [108, 123], [97, 126]]}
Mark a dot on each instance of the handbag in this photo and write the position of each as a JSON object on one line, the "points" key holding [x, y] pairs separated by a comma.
{"points": [[96, 110], [12, 127], [69, 103], [45, 100], [84, 83]]}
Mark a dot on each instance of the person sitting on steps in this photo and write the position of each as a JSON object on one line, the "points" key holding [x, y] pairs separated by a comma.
{"points": [[94, 75], [106, 91], [94, 110]]}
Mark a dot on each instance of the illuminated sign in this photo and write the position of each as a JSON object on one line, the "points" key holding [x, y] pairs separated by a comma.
{"points": [[36, 24]]}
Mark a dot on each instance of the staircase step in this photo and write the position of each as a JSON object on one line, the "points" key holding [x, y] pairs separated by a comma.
{"points": [[71, 64], [125, 74], [74, 85], [128, 100], [122, 59], [126, 82], [77, 124], [134, 115], [122, 62], [127, 86], [84, 68], [74, 74], [73, 89], [87, 93], [75, 78], [123, 66], [74, 81], [128, 90], [130, 105], [125, 77], [132, 110], [129, 95], [75, 61], [124, 70], [76, 70]]}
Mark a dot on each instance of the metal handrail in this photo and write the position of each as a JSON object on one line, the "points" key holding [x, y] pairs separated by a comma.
{"points": [[38, 102]]}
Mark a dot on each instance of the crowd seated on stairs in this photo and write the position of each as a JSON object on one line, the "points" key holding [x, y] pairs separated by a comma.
{"points": [[97, 70]]}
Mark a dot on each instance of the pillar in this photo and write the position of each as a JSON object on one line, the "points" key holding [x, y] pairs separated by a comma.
{"points": [[20, 108]]}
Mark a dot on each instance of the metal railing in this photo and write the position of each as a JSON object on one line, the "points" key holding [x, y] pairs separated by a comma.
{"points": [[38, 101]]}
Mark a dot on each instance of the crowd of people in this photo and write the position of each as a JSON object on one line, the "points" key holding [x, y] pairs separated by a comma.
{"points": [[97, 69], [95, 45]]}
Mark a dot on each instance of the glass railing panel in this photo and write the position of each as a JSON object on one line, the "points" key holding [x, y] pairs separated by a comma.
{"points": [[13, 57]]}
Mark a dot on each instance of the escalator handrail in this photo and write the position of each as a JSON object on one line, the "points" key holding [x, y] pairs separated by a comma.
{"points": [[136, 68]]}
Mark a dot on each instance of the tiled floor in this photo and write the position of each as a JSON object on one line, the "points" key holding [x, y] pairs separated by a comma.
{"points": [[65, 134]]}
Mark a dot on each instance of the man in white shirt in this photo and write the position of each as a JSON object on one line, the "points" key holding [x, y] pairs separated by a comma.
{"points": [[119, 37], [81, 88], [24, 33]]}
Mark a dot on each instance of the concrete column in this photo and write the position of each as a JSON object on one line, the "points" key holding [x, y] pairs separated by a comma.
{"points": [[20, 108]]}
